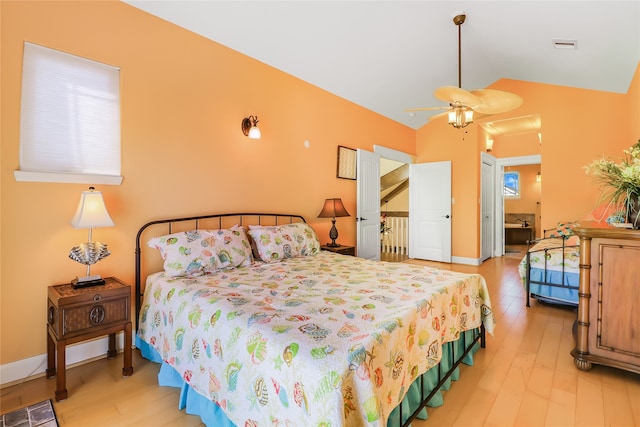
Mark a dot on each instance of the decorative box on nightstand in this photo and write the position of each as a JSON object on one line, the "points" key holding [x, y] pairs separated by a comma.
{"points": [[75, 315], [344, 250]]}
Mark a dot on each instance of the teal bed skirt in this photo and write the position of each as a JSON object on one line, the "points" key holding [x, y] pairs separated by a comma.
{"points": [[212, 415]]}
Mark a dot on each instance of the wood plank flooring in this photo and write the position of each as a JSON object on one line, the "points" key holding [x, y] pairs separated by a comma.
{"points": [[524, 377]]}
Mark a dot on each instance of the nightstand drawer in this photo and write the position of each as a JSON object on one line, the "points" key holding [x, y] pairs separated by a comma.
{"points": [[68, 320]]}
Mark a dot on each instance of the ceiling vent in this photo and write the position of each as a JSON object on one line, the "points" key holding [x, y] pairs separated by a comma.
{"points": [[565, 44]]}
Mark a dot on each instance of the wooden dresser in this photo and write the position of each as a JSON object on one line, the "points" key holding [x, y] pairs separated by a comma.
{"points": [[608, 325]]}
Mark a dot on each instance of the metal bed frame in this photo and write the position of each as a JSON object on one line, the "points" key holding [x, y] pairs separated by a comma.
{"points": [[277, 219], [561, 246]]}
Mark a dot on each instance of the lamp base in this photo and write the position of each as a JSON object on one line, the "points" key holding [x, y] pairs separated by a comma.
{"points": [[86, 282], [333, 245]]}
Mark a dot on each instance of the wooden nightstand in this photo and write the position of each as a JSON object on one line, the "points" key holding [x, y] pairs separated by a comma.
{"points": [[344, 250], [75, 315]]}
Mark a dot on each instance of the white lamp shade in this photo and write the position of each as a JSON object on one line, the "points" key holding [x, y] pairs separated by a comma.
{"points": [[91, 211], [254, 132]]}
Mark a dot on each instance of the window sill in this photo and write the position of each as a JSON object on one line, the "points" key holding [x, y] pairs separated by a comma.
{"points": [[69, 178]]}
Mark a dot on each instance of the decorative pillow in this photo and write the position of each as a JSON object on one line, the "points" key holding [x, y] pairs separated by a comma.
{"points": [[306, 238], [564, 229], [196, 252], [232, 248], [278, 242], [188, 253]]}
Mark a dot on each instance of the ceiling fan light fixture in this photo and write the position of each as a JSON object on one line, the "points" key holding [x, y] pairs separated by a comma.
{"points": [[460, 117]]}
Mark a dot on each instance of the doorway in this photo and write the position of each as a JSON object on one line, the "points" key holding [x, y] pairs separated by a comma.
{"points": [[515, 220]]}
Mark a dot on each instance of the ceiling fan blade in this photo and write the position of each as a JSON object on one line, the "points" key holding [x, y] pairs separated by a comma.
{"points": [[453, 95], [495, 101], [408, 110]]}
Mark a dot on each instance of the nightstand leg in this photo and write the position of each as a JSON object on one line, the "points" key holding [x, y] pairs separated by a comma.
{"points": [[61, 379], [112, 346], [128, 362], [51, 356]]}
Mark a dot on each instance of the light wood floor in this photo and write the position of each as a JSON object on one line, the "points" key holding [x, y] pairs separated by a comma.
{"points": [[524, 377]]}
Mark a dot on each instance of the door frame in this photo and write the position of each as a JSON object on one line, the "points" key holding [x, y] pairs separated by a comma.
{"points": [[535, 159], [486, 158]]}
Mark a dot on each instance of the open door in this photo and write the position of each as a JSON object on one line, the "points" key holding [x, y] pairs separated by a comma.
{"points": [[368, 209], [430, 211], [487, 206]]}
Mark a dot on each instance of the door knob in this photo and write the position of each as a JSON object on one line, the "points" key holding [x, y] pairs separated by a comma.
{"points": [[361, 219], [446, 216]]}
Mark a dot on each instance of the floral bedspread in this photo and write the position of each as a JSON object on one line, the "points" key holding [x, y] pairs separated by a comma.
{"points": [[322, 340], [553, 257]]}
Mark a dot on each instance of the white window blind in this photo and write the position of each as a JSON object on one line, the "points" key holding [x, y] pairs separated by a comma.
{"points": [[70, 118]]}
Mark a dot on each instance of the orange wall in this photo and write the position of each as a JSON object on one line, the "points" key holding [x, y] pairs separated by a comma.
{"points": [[578, 126], [183, 99]]}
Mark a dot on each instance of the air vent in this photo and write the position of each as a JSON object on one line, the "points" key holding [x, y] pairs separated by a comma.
{"points": [[565, 44]]}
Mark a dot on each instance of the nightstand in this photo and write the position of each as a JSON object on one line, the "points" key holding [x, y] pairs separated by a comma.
{"points": [[344, 250], [75, 315]]}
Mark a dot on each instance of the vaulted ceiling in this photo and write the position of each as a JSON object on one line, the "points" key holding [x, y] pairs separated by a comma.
{"points": [[391, 55]]}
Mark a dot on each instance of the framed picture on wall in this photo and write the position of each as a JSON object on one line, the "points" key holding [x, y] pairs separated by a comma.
{"points": [[346, 162]]}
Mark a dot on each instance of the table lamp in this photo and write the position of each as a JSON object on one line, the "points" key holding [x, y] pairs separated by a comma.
{"points": [[91, 213], [333, 208]]}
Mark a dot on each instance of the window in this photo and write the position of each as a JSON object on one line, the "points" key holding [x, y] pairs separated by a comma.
{"points": [[70, 119], [511, 188]]}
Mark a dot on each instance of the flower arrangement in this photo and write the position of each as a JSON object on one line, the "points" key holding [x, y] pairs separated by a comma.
{"points": [[622, 180], [383, 224]]}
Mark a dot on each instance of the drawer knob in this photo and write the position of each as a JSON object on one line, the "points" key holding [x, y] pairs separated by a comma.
{"points": [[96, 315], [97, 297]]}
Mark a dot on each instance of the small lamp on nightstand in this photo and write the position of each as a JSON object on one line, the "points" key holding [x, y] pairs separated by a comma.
{"points": [[333, 208], [91, 213]]}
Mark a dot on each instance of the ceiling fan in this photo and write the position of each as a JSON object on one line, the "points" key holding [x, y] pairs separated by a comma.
{"points": [[463, 103]]}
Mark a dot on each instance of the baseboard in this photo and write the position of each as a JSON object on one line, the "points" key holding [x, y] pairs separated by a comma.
{"points": [[77, 354], [466, 261]]}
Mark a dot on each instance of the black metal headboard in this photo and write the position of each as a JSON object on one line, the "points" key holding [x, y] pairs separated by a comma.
{"points": [[212, 222]]}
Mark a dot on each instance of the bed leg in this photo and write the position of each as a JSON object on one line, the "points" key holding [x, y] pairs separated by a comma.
{"points": [[483, 337]]}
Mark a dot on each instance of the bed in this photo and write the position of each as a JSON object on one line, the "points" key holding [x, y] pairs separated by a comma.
{"points": [[294, 335], [550, 268]]}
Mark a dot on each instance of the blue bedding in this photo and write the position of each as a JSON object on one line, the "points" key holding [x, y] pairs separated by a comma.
{"points": [[554, 274]]}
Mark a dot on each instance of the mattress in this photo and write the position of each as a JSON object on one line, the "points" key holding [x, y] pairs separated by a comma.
{"points": [[326, 339]]}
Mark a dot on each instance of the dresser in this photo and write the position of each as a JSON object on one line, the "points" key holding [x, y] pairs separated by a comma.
{"points": [[608, 324]]}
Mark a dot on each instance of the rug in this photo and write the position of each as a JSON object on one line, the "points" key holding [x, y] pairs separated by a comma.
{"points": [[39, 414]]}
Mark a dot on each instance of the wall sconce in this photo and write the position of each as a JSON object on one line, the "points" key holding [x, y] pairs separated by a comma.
{"points": [[250, 127], [538, 177], [489, 145], [460, 116], [91, 213]]}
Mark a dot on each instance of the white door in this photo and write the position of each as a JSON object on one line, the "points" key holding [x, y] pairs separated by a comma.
{"points": [[368, 210], [430, 211], [486, 207]]}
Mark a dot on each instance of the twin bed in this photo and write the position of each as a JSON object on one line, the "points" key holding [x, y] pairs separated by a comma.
{"points": [[550, 270], [259, 327]]}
